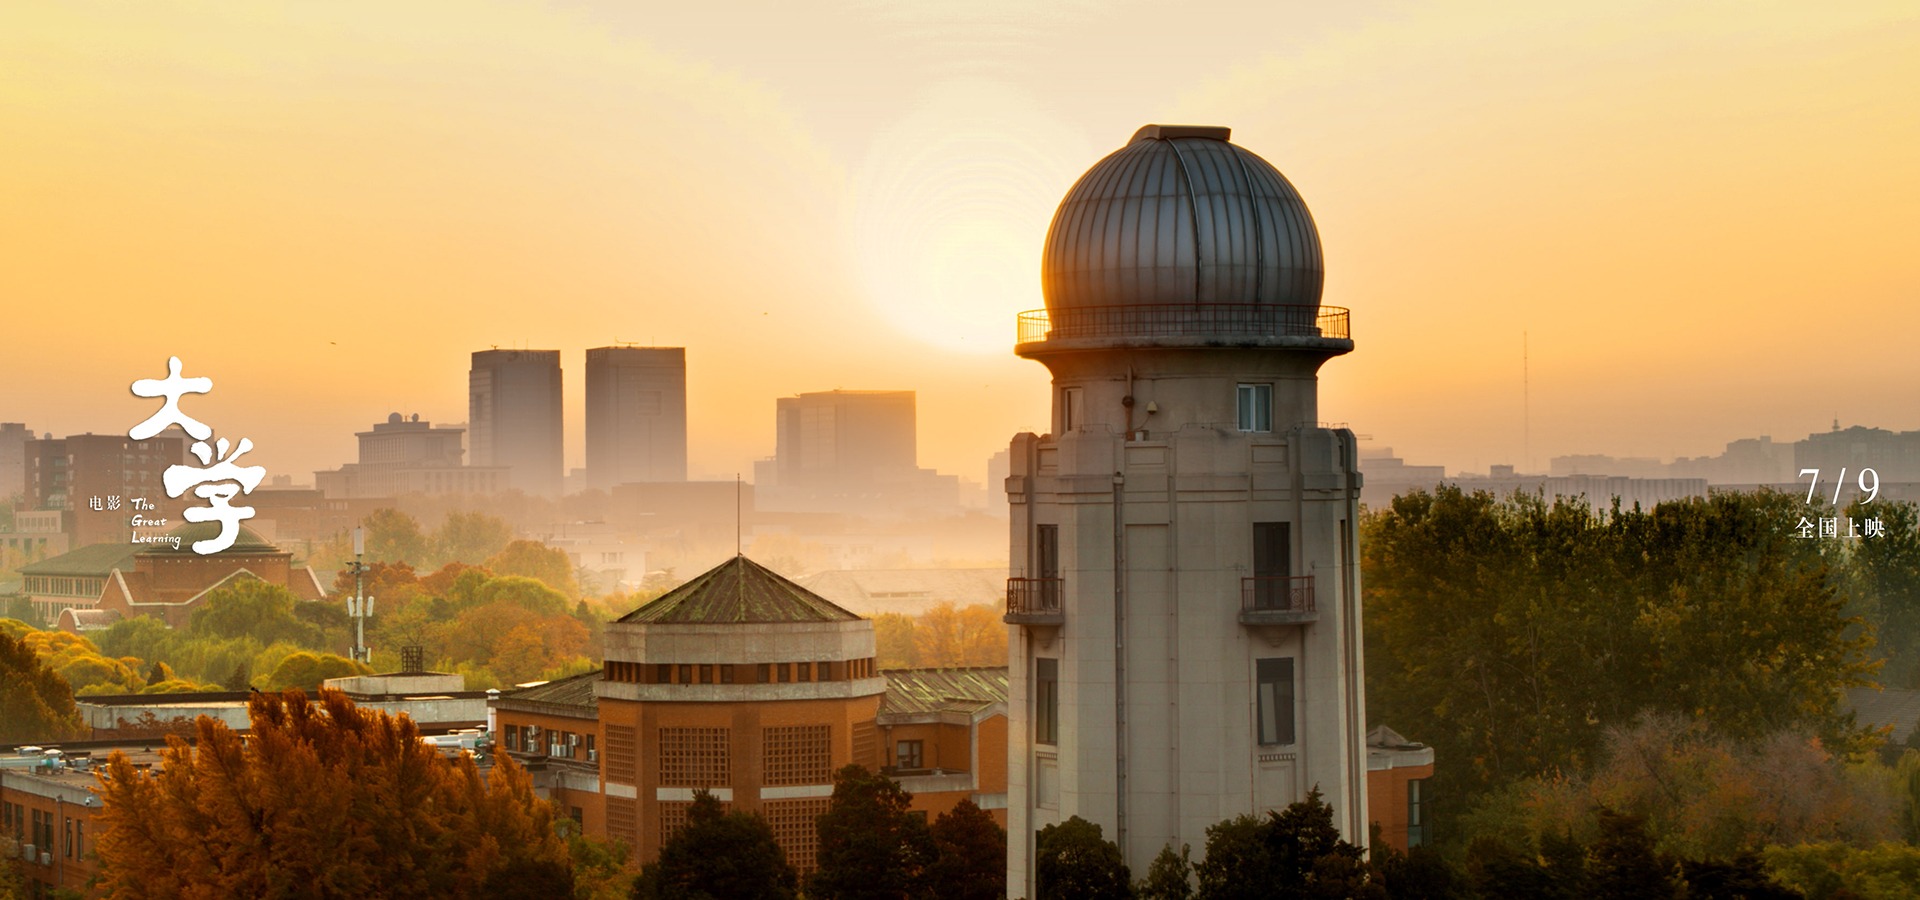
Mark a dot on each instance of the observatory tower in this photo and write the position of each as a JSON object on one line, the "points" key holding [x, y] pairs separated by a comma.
{"points": [[1186, 593]]}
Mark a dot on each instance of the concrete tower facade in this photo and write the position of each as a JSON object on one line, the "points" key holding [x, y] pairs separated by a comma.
{"points": [[636, 415], [514, 416], [1184, 543]]}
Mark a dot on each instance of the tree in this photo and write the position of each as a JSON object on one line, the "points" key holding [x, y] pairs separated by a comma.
{"points": [[894, 646], [718, 855], [470, 537], [1623, 863], [1515, 633], [1169, 877], [947, 635], [971, 854], [308, 671], [871, 846], [395, 537], [36, 704], [249, 607], [323, 799], [1295, 852], [1073, 862], [1883, 585], [1701, 795], [532, 559]]}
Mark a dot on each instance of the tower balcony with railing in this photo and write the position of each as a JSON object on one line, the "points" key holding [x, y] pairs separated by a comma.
{"points": [[1277, 600], [1035, 601]]}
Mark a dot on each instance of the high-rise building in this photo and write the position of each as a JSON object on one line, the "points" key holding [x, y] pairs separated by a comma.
{"points": [[636, 415], [13, 459], [1184, 542], [844, 439], [514, 418], [852, 452]]}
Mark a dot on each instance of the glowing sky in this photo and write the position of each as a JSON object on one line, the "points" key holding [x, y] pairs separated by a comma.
{"points": [[1702, 216]]}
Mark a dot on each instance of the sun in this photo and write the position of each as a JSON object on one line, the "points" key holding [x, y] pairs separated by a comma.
{"points": [[950, 211]]}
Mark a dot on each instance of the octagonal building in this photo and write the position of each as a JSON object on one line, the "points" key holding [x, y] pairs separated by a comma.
{"points": [[1184, 541]]}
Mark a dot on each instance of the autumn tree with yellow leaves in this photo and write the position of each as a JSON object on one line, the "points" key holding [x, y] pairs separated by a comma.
{"points": [[323, 800]]}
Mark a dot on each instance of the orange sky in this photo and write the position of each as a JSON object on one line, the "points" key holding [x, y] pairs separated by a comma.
{"points": [[1702, 215]]}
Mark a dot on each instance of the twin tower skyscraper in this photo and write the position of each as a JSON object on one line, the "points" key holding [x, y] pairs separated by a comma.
{"points": [[636, 416]]}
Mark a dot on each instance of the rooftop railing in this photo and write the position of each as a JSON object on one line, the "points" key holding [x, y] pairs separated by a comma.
{"points": [[1176, 320]]}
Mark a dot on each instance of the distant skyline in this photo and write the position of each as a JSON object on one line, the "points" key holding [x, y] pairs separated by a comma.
{"points": [[1698, 217]]}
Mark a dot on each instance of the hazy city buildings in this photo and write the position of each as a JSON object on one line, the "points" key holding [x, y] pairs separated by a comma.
{"points": [[851, 452], [1184, 541], [94, 479], [13, 459], [636, 415], [408, 456], [514, 414]]}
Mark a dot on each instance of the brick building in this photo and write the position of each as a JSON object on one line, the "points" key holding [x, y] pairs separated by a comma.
{"points": [[746, 684], [102, 583]]}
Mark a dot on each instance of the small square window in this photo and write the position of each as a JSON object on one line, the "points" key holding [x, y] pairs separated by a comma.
{"points": [[908, 755], [1256, 407]]}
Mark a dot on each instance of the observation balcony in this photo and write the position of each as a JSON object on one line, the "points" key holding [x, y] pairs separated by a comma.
{"points": [[1034, 601], [1184, 325], [1277, 600]]}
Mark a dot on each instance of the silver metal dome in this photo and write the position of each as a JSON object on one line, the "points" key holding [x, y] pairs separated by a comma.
{"points": [[1181, 216]]}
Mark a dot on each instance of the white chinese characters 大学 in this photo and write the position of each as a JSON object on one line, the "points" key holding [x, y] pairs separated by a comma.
{"points": [[218, 479]]}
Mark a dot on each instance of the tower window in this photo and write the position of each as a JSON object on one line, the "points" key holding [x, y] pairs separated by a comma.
{"points": [[1273, 686], [1046, 701], [1416, 812], [1073, 409], [1256, 407]]}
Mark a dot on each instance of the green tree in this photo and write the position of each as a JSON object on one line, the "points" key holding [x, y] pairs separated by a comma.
{"points": [[718, 855], [1169, 877], [322, 800], [871, 845], [532, 559], [308, 671], [970, 861], [470, 537], [1295, 852], [1072, 861], [1883, 585], [36, 704], [1624, 864], [394, 537], [249, 607], [1514, 633]]}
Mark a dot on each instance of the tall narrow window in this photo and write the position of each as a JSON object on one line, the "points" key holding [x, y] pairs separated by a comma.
{"points": [[1273, 680], [1416, 813], [1256, 407], [1046, 701], [1272, 563], [1073, 409], [1046, 566]]}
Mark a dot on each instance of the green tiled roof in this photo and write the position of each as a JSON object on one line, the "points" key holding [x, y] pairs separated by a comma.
{"points": [[95, 560], [738, 591], [573, 691], [960, 689]]}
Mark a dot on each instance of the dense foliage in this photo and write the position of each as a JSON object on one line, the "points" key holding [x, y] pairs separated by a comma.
{"points": [[35, 702], [323, 800], [718, 855], [1511, 635], [871, 846]]}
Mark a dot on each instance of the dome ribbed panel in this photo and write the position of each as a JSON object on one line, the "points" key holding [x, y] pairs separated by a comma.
{"points": [[1187, 220]]}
